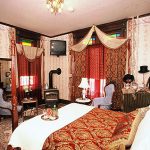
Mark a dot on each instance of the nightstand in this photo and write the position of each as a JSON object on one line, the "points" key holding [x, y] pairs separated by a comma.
{"points": [[86, 101], [30, 111]]}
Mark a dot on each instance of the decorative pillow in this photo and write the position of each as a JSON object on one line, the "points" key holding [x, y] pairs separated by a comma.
{"points": [[117, 145], [123, 128], [122, 125], [140, 115], [142, 138], [127, 126]]}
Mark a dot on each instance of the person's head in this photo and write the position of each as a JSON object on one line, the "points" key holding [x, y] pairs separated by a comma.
{"points": [[128, 78]]}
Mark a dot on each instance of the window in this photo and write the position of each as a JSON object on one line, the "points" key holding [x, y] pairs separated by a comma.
{"points": [[28, 38], [92, 84], [27, 80], [116, 35], [26, 42]]}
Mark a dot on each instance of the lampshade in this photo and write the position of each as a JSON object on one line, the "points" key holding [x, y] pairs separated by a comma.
{"points": [[26, 88], [84, 83]]}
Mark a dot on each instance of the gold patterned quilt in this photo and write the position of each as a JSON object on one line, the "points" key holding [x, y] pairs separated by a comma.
{"points": [[93, 131]]}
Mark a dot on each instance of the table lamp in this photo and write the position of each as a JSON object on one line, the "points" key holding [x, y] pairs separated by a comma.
{"points": [[84, 84]]}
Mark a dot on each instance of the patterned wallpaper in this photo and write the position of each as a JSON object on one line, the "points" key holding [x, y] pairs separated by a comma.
{"points": [[52, 62]]}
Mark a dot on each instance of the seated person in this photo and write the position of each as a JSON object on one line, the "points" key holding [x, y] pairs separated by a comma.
{"points": [[5, 104]]}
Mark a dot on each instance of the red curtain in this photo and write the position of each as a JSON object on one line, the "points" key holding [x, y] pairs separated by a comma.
{"points": [[32, 71], [78, 67], [97, 62], [95, 70], [115, 64]]}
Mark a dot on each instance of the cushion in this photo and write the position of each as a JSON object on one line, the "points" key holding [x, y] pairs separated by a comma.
{"points": [[123, 129], [140, 115], [142, 138], [117, 145], [127, 126]]}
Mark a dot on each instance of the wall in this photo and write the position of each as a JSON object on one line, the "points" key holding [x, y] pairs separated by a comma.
{"points": [[61, 81], [139, 33], [143, 49]]}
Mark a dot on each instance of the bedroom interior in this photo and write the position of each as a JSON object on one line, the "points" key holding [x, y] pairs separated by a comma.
{"points": [[43, 64]]}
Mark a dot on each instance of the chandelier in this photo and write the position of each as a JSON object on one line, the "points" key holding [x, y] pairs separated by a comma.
{"points": [[55, 6]]}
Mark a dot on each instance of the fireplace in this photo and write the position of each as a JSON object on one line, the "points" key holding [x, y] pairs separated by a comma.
{"points": [[51, 95]]}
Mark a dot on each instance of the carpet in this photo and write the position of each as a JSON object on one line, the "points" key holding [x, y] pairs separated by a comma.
{"points": [[5, 132], [6, 128]]}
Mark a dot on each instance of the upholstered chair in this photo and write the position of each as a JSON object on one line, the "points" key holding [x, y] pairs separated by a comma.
{"points": [[6, 107], [106, 101]]}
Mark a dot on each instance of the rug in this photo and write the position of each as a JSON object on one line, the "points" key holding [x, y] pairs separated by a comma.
{"points": [[6, 128]]}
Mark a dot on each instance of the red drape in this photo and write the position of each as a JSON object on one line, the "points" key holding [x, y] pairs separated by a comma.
{"points": [[78, 71], [95, 70], [115, 65], [31, 69], [97, 62]]}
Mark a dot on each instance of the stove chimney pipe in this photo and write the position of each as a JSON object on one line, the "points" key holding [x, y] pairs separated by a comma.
{"points": [[58, 71]]}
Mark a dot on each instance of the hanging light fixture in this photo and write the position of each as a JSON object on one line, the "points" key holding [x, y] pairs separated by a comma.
{"points": [[55, 6]]}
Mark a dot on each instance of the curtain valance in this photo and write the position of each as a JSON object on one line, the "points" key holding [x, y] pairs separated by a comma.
{"points": [[30, 53], [107, 40]]}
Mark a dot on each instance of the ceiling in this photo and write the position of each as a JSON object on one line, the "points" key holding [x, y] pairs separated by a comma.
{"points": [[33, 14]]}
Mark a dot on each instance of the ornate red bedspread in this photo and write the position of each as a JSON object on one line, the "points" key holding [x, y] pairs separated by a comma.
{"points": [[93, 131]]}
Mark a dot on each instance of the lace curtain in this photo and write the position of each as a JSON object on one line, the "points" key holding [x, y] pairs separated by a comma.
{"points": [[139, 33], [4, 42]]}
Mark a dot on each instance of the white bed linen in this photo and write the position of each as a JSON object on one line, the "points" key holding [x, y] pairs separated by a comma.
{"points": [[142, 137], [31, 134]]}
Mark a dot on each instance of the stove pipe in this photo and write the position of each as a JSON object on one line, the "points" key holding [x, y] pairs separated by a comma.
{"points": [[58, 71]]}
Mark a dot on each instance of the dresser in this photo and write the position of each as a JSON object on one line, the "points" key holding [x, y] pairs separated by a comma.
{"points": [[132, 101]]}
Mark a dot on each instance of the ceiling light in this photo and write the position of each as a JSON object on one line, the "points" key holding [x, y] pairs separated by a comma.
{"points": [[55, 6]]}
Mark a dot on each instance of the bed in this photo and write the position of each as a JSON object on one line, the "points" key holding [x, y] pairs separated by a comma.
{"points": [[79, 127]]}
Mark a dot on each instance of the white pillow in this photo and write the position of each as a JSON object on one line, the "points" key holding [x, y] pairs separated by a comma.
{"points": [[142, 137]]}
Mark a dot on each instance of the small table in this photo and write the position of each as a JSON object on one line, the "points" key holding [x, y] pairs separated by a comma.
{"points": [[28, 113], [137, 100], [86, 101]]}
